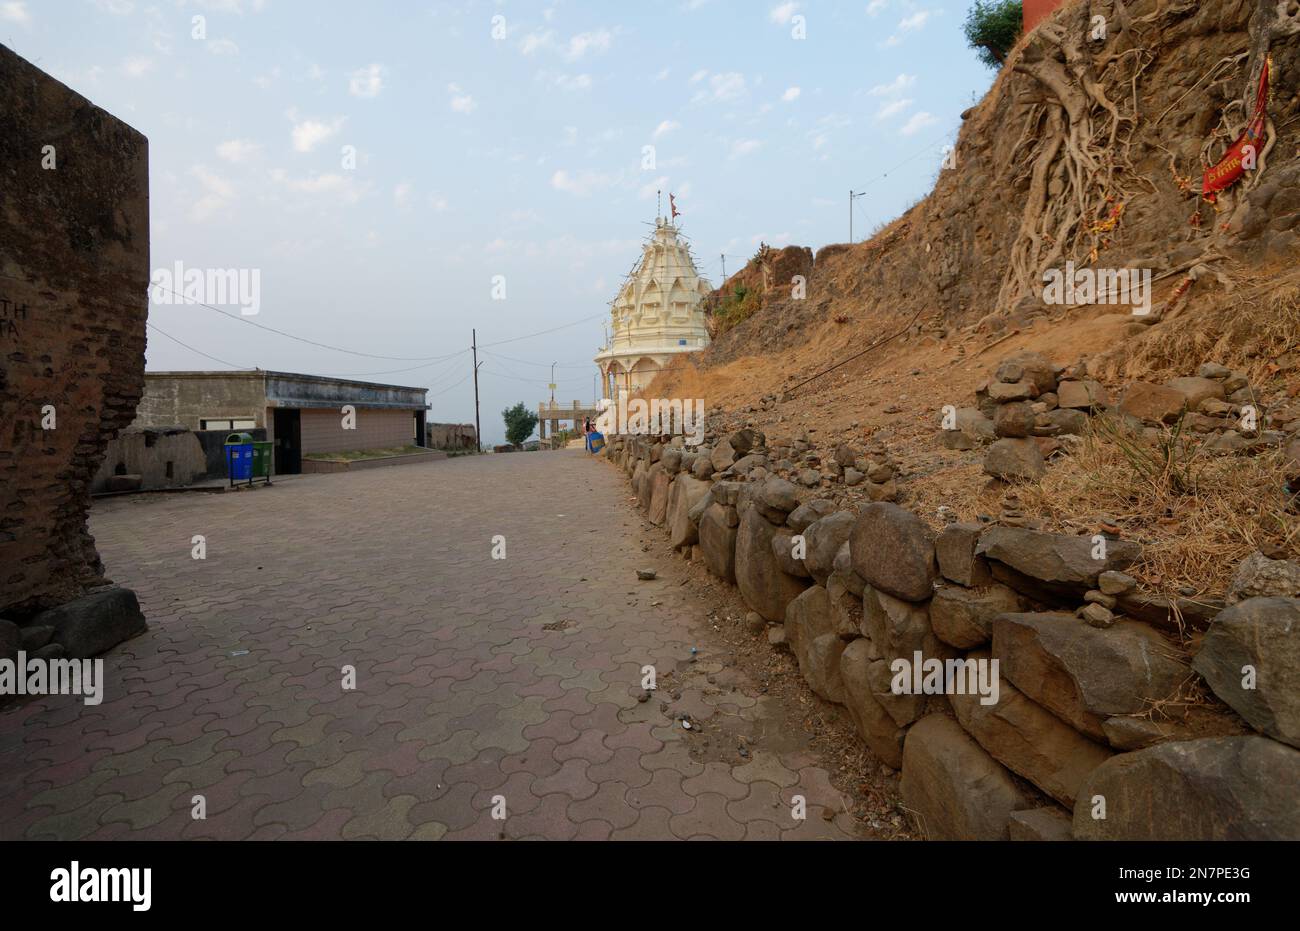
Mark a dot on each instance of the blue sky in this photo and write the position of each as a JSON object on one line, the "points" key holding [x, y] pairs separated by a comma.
{"points": [[494, 139]]}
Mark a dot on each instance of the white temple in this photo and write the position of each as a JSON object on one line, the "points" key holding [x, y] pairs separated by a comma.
{"points": [[657, 314]]}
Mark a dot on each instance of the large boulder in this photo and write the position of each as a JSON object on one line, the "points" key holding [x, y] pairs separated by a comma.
{"points": [[845, 571], [963, 617], [658, 481], [1027, 365], [682, 498], [1251, 659], [898, 628], [802, 517], [970, 429], [94, 623], [894, 551], [1057, 558], [1260, 576], [765, 588], [875, 726], [1196, 391], [1039, 824], [783, 548], [823, 539], [810, 634], [1015, 460], [956, 790], [722, 456], [958, 562], [1152, 403], [1028, 739], [718, 540], [1082, 395], [1084, 674], [1216, 788]]}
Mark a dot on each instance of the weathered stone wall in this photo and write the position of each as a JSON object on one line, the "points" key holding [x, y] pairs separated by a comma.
{"points": [[188, 398], [74, 269], [163, 458], [1105, 723]]}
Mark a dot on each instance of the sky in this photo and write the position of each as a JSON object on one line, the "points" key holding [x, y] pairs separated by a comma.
{"points": [[396, 174]]}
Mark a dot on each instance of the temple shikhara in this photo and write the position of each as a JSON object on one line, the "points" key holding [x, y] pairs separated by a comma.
{"points": [[657, 314]]}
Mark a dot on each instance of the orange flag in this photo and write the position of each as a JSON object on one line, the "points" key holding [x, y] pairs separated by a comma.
{"points": [[1232, 166]]}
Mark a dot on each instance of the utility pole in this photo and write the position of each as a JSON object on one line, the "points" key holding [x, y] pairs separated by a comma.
{"points": [[478, 431], [724, 267], [851, 198]]}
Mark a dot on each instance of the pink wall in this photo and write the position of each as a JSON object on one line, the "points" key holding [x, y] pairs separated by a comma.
{"points": [[1037, 10]]}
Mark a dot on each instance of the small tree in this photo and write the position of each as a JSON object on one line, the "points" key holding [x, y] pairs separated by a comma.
{"points": [[520, 423], [992, 28]]}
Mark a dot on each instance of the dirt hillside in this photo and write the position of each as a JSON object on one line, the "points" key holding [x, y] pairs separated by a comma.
{"points": [[1086, 150]]}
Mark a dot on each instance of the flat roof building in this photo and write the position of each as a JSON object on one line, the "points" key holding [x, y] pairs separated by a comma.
{"points": [[301, 414]]}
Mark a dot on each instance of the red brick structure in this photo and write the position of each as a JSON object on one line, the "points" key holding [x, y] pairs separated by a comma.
{"points": [[1035, 11], [74, 273]]}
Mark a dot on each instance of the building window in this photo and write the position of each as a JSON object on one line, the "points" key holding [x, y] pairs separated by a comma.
{"points": [[681, 342], [227, 423]]}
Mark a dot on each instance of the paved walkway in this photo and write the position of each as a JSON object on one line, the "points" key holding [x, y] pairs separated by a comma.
{"points": [[481, 683]]}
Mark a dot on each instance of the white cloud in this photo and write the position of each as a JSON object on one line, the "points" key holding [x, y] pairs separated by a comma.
{"points": [[329, 184], [596, 41], [917, 123], [461, 102], [916, 21], [581, 183], [651, 188], [15, 12], [894, 87], [402, 193], [438, 203], [222, 47], [782, 14], [215, 193], [367, 81], [792, 93], [722, 88], [894, 108], [310, 133], [137, 66], [875, 7], [536, 40], [742, 147], [665, 128], [699, 76], [237, 150], [565, 82]]}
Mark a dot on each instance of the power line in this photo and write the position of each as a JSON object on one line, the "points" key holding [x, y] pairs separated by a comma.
{"points": [[562, 365], [192, 349], [303, 339], [515, 339]]}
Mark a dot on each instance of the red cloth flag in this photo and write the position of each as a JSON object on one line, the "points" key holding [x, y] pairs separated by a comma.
{"points": [[672, 205], [1231, 167]]}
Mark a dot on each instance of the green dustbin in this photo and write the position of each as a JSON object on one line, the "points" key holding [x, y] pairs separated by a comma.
{"points": [[262, 459]]}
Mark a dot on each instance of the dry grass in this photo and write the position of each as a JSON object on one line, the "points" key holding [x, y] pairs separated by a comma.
{"points": [[1191, 539], [1247, 329]]}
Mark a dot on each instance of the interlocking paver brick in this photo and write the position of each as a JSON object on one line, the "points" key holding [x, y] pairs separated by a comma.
{"points": [[236, 691]]}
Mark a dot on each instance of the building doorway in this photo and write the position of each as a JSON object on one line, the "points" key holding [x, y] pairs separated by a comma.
{"points": [[288, 441]]}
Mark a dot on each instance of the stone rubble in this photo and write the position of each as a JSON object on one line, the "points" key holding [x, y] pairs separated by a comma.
{"points": [[853, 586]]}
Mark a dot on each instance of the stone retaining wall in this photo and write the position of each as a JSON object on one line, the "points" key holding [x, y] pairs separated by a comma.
{"points": [[1105, 722]]}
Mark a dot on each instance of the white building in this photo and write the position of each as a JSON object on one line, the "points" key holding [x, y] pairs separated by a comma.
{"points": [[657, 315]]}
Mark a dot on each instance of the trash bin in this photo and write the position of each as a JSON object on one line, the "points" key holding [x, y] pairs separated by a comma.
{"points": [[239, 457], [262, 459]]}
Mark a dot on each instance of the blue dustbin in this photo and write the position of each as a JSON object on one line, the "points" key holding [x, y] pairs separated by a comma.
{"points": [[239, 457]]}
